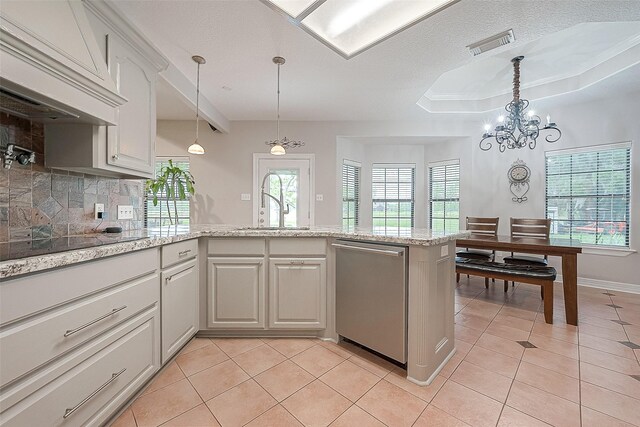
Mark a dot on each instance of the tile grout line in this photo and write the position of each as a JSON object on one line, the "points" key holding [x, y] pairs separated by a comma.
{"points": [[506, 399], [464, 358], [624, 329]]}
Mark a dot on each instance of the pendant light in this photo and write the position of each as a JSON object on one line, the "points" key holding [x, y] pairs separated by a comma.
{"points": [[196, 148], [279, 146]]}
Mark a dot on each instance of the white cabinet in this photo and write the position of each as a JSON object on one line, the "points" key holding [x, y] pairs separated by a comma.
{"points": [[236, 293], [128, 149], [179, 296], [252, 287], [79, 341], [297, 293], [131, 144]]}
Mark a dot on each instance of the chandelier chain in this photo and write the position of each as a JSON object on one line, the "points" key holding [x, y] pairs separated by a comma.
{"points": [[516, 80]]}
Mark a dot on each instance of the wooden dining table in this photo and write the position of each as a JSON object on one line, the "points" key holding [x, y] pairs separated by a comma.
{"points": [[567, 249]]}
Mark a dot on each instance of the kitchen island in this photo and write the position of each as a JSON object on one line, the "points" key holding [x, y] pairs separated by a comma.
{"points": [[430, 289]]}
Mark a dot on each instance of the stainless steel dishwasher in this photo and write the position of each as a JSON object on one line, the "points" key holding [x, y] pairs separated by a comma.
{"points": [[371, 296]]}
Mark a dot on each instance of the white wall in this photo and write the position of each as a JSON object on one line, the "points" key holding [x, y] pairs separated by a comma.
{"points": [[225, 171], [599, 122]]}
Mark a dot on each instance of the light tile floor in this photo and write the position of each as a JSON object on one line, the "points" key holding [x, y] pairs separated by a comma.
{"points": [[511, 369]]}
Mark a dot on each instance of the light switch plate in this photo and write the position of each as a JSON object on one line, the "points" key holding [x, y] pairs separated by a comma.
{"points": [[245, 196], [98, 208], [125, 212], [319, 197], [444, 250]]}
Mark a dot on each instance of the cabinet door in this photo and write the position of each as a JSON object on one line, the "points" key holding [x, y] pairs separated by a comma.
{"points": [[235, 293], [179, 307], [297, 293], [131, 144]]}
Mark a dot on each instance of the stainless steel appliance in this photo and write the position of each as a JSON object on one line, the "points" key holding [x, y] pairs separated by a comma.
{"points": [[371, 296]]}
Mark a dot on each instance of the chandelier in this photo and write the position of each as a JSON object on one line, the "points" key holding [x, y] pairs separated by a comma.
{"points": [[279, 146], [518, 129]]}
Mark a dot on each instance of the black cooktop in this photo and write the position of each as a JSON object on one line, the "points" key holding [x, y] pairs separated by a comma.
{"points": [[17, 250]]}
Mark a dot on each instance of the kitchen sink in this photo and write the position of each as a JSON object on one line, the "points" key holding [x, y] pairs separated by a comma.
{"points": [[273, 228]]}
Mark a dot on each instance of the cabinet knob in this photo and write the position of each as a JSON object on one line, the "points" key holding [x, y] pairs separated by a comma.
{"points": [[115, 157]]}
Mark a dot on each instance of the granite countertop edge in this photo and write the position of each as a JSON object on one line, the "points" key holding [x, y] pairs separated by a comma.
{"points": [[11, 268]]}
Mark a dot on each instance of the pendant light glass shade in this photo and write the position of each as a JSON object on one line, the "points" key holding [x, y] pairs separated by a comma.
{"points": [[278, 150], [196, 148]]}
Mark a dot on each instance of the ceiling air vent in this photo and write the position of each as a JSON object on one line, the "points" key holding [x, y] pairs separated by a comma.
{"points": [[492, 42]]}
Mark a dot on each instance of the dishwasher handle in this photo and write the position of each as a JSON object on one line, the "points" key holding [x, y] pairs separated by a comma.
{"points": [[388, 252]]}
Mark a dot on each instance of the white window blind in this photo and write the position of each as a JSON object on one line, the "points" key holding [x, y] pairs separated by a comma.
{"points": [[157, 216], [588, 194], [444, 196], [392, 189], [350, 194]]}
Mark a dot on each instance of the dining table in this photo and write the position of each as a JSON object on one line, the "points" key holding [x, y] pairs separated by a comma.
{"points": [[567, 249]]}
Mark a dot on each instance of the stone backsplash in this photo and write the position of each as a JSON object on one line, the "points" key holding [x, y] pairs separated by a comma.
{"points": [[38, 203]]}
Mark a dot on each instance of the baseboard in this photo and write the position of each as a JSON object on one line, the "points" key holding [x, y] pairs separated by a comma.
{"points": [[605, 284]]}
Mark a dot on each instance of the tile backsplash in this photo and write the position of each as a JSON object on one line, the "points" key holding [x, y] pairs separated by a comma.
{"points": [[37, 202]]}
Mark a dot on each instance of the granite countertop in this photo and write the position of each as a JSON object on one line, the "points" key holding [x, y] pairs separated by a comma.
{"points": [[29, 257]]}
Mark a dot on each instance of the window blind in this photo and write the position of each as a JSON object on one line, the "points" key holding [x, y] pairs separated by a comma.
{"points": [[588, 194], [444, 197], [393, 189], [350, 194], [157, 216]]}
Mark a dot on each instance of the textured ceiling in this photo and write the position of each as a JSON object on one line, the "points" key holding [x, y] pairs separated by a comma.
{"points": [[553, 65], [239, 37]]}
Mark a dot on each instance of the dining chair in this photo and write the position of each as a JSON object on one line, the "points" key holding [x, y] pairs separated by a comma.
{"points": [[530, 228], [484, 226]]}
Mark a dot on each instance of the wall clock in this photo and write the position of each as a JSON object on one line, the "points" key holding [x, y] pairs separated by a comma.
{"points": [[519, 174]]}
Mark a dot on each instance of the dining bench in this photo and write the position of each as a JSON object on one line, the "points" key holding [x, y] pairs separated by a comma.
{"points": [[534, 275]]}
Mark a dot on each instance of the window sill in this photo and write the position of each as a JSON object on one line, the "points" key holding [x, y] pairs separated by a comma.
{"points": [[618, 252]]}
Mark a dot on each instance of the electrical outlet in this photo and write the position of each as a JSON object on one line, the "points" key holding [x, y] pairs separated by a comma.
{"points": [[444, 250], [125, 212], [319, 197], [98, 209], [245, 196]]}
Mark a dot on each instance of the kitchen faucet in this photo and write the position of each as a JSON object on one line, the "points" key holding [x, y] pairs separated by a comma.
{"points": [[280, 202]]}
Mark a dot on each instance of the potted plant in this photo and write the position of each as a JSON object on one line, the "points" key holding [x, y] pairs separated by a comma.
{"points": [[171, 183]]}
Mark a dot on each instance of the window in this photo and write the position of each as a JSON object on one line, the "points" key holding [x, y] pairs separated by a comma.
{"points": [[157, 216], [392, 189], [588, 194], [350, 194], [444, 196]]}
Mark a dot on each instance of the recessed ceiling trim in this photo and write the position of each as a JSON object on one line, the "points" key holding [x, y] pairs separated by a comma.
{"points": [[298, 21], [293, 19], [559, 63]]}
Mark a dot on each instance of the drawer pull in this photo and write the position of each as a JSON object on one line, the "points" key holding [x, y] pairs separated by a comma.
{"points": [[297, 262], [183, 253], [114, 376], [86, 325]]}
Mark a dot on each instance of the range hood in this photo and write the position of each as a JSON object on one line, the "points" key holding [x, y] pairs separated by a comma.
{"points": [[21, 106], [51, 65]]}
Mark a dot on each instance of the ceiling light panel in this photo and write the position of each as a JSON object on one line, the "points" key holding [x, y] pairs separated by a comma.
{"points": [[351, 26]]}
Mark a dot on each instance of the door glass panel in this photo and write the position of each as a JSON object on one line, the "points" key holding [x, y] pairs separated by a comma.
{"points": [[291, 196]]}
